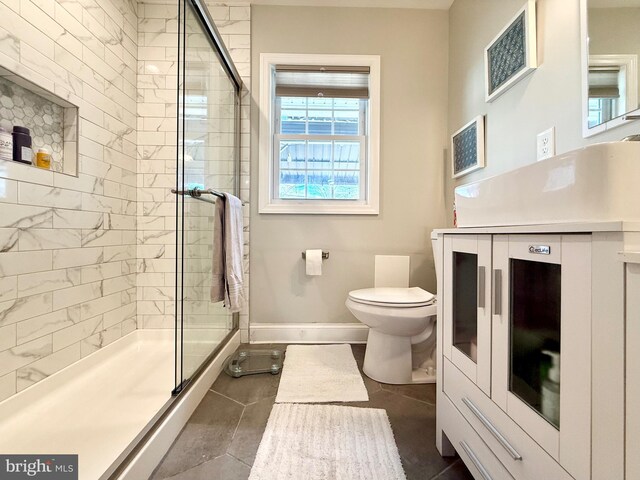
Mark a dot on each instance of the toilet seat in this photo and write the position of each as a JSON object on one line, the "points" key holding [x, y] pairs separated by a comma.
{"points": [[393, 297]]}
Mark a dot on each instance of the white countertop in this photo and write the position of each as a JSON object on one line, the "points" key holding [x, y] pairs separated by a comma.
{"points": [[581, 227], [629, 257]]}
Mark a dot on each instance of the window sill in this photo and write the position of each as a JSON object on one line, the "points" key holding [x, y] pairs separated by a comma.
{"points": [[305, 208]]}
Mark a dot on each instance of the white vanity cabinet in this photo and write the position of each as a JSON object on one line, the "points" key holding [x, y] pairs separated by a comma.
{"points": [[633, 369], [531, 353]]}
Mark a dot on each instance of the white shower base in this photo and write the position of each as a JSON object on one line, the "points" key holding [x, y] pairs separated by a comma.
{"points": [[96, 407]]}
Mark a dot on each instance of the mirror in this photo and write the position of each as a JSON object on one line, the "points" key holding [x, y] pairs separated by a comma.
{"points": [[611, 47]]}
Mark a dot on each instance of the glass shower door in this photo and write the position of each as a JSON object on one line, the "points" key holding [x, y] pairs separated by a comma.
{"points": [[207, 145]]}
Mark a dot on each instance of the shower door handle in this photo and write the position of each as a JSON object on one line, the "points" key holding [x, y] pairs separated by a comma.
{"points": [[497, 292]]}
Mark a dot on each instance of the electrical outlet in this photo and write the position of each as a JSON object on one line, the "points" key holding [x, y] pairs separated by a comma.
{"points": [[546, 144]]}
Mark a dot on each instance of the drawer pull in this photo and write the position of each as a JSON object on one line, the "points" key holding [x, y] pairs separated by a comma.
{"points": [[494, 431], [497, 292], [476, 461], [481, 287]]}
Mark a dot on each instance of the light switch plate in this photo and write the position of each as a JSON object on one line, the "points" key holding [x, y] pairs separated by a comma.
{"points": [[546, 144]]}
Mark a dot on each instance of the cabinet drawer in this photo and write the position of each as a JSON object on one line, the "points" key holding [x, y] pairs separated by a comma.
{"points": [[474, 452], [523, 457]]}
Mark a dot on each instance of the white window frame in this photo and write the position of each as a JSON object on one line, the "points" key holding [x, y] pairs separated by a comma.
{"points": [[267, 199]]}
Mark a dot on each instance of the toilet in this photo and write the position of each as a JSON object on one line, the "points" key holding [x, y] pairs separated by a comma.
{"points": [[398, 318]]}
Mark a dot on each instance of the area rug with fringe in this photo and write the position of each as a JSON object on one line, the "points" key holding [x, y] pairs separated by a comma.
{"points": [[327, 442], [320, 374]]}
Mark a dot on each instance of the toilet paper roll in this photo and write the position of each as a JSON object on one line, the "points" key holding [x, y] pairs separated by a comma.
{"points": [[314, 262]]}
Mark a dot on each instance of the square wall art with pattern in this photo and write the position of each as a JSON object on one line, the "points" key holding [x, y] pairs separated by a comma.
{"points": [[467, 148], [512, 53]]}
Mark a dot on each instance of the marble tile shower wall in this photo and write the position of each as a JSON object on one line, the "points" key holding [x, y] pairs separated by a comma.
{"points": [[157, 70], [68, 244]]}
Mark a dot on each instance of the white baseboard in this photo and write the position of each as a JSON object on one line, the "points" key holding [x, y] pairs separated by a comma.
{"points": [[148, 458], [308, 333]]}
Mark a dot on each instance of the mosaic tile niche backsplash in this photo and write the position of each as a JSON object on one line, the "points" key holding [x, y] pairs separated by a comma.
{"points": [[43, 118]]}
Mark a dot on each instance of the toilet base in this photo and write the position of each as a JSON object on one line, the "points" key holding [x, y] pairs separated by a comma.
{"points": [[387, 359], [421, 376]]}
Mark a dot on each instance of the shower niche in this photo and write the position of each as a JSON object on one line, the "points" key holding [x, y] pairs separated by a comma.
{"points": [[52, 122]]}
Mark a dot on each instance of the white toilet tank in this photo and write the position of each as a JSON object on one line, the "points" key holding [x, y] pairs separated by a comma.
{"points": [[392, 271]]}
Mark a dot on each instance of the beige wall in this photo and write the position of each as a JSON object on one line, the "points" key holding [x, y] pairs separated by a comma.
{"points": [[550, 96], [413, 49]]}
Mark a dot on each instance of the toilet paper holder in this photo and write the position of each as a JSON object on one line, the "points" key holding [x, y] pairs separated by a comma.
{"points": [[325, 255]]}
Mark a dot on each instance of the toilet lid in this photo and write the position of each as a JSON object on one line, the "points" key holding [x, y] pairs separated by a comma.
{"points": [[397, 297]]}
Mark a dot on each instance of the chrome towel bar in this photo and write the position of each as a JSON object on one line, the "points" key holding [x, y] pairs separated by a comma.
{"points": [[198, 192]]}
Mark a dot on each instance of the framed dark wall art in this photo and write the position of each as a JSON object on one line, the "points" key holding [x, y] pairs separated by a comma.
{"points": [[512, 53], [467, 148]]}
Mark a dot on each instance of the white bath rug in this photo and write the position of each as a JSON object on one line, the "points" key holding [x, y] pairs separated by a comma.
{"points": [[320, 373], [327, 442]]}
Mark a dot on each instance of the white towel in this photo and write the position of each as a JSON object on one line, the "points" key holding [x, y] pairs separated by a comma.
{"points": [[217, 282], [228, 272], [234, 271]]}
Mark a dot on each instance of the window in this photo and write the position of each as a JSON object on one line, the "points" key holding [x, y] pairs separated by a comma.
{"points": [[601, 109], [318, 147], [319, 134], [612, 87], [606, 84]]}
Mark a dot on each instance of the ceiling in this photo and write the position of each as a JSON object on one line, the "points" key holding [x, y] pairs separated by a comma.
{"points": [[427, 4]]}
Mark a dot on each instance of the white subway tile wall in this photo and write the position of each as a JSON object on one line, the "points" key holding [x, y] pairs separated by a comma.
{"points": [[87, 259], [68, 244], [157, 80]]}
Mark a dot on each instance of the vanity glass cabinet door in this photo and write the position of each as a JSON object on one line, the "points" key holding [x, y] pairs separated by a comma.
{"points": [[541, 317], [467, 313]]}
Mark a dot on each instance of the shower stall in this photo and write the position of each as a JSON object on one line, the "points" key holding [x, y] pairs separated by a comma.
{"points": [[120, 408]]}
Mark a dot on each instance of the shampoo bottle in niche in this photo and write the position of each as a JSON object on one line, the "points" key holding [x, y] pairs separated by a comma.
{"points": [[22, 145], [551, 389], [6, 145]]}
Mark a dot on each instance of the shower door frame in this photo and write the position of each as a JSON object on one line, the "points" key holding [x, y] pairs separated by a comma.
{"points": [[220, 49]]}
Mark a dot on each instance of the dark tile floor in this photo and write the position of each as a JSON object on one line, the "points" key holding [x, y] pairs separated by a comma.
{"points": [[221, 439]]}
